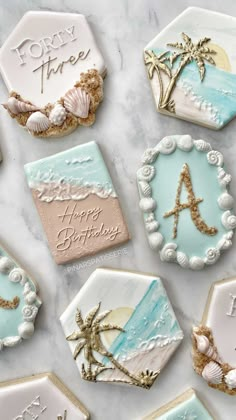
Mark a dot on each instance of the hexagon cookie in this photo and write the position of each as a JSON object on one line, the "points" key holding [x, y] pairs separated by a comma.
{"points": [[185, 200], [40, 397], [191, 68], [185, 407], [121, 328], [19, 302], [214, 355], [53, 70]]}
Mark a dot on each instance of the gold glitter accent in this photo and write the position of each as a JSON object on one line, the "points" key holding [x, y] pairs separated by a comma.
{"points": [[9, 304], [89, 340], [64, 416], [192, 204], [189, 52]]}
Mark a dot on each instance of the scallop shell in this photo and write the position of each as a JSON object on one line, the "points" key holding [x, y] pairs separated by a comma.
{"points": [[147, 204], [38, 122], [204, 347], [196, 263], [77, 102], [225, 201], [57, 115], [145, 188], [230, 379], [212, 373], [202, 145], [155, 240], [17, 107]]}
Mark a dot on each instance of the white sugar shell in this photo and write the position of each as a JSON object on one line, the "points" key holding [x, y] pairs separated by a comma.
{"points": [[215, 158], [225, 201], [202, 145], [57, 115], [38, 122], [147, 204], [230, 379], [155, 240], [17, 107], [77, 102], [228, 220], [5, 264], [204, 347], [196, 263], [145, 188], [182, 259], [212, 373]]}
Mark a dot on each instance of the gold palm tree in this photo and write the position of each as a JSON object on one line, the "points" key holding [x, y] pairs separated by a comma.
{"points": [[89, 340], [157, 63], [189, 52]]}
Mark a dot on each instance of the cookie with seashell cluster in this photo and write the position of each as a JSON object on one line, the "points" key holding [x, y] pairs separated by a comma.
{"points": [[213, 345], [55, 82], [19, 302]]}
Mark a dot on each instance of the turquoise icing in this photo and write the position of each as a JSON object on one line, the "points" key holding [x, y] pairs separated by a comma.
{"points": [[205, 185], [10, 319], [92, 171], [191, 409], [218, 86], [142, 325]]}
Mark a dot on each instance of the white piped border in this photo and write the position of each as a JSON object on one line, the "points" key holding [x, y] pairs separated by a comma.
{"points": [[168, 251], [31, 306]]}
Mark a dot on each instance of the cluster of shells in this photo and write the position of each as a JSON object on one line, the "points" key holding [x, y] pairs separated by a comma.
{"points": [[212, 372], [76, 102]]}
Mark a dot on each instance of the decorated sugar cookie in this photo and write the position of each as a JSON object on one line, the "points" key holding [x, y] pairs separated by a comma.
{"points": [[41, 397], [214, 355], [185, 200], [191, 68], [19, 302], [185, 407], [121, 328], [53, 70], [77, 203]]}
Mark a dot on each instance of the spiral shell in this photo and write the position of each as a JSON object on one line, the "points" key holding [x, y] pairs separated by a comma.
{"points": [[155, 240], [225, 201], [38, 122], [204, 347], [17, 275], [149, 156], [17, 107], [147, 204], [223, 178], [145, 188], [168, 252], [167, 145], [182, 260], [152, 226], [212, 373], [230, 379], [184, 143], [5, 264], [212, 255], [57, 115], [77, 102], [202, 146], [29, 312], [196, 263], [228, 220], [215, 158], [146, 173]]}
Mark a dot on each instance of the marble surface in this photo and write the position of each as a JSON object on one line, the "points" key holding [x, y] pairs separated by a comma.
{"points": [[127, 123]]}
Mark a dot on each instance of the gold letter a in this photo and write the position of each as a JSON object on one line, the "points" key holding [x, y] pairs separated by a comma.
{"points": [[192, 205]]}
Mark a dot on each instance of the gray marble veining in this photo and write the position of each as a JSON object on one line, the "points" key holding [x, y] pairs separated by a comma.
{"points": [[127, 123]]}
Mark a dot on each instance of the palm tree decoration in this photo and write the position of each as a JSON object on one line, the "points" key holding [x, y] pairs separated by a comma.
{"points": [[189, 52], [89, 341]]}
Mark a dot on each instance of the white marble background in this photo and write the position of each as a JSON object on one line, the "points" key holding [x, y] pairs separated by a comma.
{"points": [[127, 123]]}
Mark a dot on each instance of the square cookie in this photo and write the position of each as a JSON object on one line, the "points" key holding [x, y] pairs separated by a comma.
{"points": [[77, 203]]}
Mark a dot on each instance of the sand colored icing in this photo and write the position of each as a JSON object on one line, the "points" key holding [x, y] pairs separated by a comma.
{"points": [[78, 228]]}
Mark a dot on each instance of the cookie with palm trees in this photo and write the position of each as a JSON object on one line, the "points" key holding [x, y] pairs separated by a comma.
{"points": [[121, 328], [191, 68]]}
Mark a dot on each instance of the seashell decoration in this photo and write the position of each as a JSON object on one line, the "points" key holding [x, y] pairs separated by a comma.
{"points": [[223, 178], [5, 265], [204, 347], [77, 102], [228, 220], [168, 252], [167, 145], [184, 143], [230, 379], [182, 259], [196, 263], [149, 156], [155, 240], [38, 122], [202, 146], [147, 204], [226, 241], [57, 115], [212, 373], [225, 201], [17, 107], [18, 275], [152, 226], [215, 158], [212, 255], [145, 188], [146, 173]]}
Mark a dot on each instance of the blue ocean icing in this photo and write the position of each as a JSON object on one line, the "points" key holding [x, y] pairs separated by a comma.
{"points": [[218, 86], [145, 322], [205, 185], [89, 168], [10, 319], [191, 409]]}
